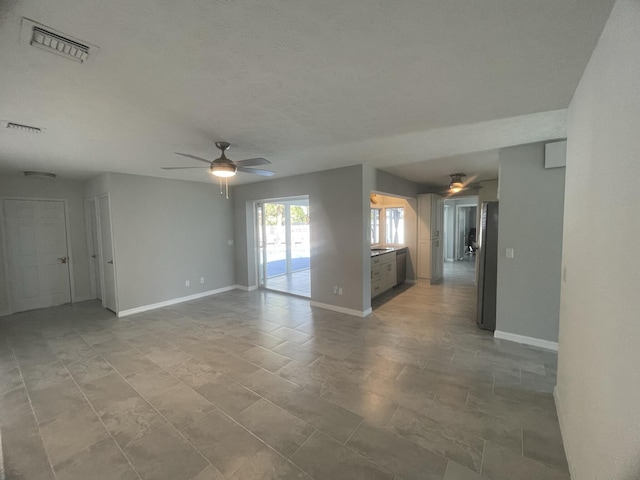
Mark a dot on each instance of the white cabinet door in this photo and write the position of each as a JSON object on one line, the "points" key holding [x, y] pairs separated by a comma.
{"points": [[424, 258], [37, 253], [424, 216]]}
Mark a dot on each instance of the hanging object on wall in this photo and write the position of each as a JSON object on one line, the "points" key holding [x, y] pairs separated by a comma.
{"points": [[224, 168]]}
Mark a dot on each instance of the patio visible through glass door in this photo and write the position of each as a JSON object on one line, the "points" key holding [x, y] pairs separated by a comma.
{"points": [[284, 241]]}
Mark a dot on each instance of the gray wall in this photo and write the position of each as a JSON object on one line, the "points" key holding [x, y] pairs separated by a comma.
{"points": [[166, 232], [337, 209], [530, 222], [598, 392], [13, 186]]}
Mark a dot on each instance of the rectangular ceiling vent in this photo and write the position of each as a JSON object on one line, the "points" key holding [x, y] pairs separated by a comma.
{"points": [[19, 127], [52, 41]]}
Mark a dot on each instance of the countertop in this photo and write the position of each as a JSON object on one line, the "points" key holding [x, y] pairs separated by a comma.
{"points": [[381, 250]]}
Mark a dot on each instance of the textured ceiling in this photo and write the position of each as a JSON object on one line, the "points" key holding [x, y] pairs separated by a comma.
{"points": [[308, 84]]}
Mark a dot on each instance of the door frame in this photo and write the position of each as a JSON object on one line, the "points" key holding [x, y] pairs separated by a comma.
{"points": [[5, 258], [87, 223], [101, 252]]}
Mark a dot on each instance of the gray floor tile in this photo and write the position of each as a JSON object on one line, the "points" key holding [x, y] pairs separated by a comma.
{"points": [[268, 465], [325, 459], [153, 382], [328, 417], [90, 369], [503, 464], [125, 414], [227, 395], [181, 405], [271, 386], [194, 373], [71, 432], [265, 358], [24, 453], [458, 472], [209, 473], [225, 443], [300, 354], [275, 426], [52, 401], [545, 445], [442, 438], [162, 454], [102, 461], [368, 405], [396, 454]]}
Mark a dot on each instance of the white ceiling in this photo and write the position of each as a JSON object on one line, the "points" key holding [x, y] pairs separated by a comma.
{"points": [[309, 84]]}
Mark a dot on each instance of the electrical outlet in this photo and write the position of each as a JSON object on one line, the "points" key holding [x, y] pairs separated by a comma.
{"points": [[509, 252], [339, 290], [335, 290], [187, 283], [201, 279], [230, 242]]}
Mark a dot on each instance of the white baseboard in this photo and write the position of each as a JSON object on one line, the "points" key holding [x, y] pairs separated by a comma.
{"points": [[347, 311], [535, 342], [567, 450], [173, 301], [250, 288]]}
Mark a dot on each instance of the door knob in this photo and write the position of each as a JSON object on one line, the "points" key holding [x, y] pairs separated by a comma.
{"points": [[63, 259], [110, 261]]}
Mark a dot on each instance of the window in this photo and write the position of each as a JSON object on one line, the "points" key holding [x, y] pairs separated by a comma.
{"points": [[375, 226], [394, 225]]}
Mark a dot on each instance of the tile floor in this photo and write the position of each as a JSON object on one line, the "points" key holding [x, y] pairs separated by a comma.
{"points": [[260, 386], [295, 283]]}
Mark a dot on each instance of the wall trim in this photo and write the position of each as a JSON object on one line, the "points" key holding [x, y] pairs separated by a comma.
{"points": [[250, 288], [565, 444], [347, 311], [535, 342], [173, 301], [84, 298]]}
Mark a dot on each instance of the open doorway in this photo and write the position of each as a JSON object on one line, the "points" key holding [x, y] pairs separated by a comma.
{"points": [[460, 242], [284, 245]]}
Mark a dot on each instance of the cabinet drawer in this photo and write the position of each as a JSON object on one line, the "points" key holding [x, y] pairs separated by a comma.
{"points": [[375, 289], [387, 258], [375, 261], [375, 273]]}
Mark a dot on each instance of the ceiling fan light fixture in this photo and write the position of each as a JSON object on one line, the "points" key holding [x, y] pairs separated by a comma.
{"points": [[456, 185], [224, 170]]}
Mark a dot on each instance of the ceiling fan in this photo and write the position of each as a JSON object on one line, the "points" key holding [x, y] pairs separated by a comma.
{"points": [[223, 167], [457, 184]]}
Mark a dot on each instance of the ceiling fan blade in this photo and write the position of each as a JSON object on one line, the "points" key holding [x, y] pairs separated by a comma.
{"points": [[256, 171], [179, 168], [253, 162], [188, 155]]}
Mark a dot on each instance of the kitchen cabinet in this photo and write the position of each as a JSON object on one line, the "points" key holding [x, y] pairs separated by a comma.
{"points": [[383, 273], [430, 248]]}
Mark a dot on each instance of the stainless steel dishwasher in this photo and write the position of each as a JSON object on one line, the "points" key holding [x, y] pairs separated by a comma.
{"points": [[401, 266]]}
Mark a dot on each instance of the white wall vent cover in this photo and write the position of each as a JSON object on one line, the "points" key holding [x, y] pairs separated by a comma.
{"points": [[50, 40]]}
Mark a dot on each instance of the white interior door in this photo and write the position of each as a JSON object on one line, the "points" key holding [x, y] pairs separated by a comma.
{"points": [[106, 255], [94, 246], [37, 253]]}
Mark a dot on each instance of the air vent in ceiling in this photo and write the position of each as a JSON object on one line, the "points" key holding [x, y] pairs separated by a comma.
{"points": [[19, 127], [50, 40]]}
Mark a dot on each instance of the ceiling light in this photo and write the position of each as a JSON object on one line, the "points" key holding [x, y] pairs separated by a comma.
{"points": [[456, 184], [40, 174], [223, 170]]}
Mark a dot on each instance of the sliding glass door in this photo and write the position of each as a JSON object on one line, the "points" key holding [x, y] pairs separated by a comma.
{"points": [[284, 245]]}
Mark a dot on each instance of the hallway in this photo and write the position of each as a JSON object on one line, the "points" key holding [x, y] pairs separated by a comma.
{"points": [[258, 385]]}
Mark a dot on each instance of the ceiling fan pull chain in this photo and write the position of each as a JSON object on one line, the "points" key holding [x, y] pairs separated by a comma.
{"points": [[226, 183], [221, 192]]}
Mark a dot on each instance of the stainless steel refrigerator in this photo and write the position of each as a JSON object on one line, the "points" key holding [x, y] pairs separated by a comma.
{"points": [[488, 266]]}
